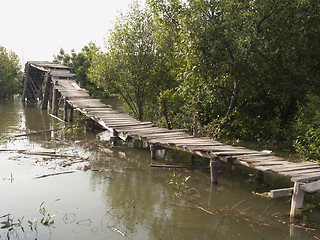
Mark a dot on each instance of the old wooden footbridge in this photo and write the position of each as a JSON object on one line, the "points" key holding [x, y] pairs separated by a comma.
{"points": [[51, 83]]}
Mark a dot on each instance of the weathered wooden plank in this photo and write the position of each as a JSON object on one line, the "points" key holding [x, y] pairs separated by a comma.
{"points": [[162, 134], [287, 167], [267, 163], [299, 172], [311, 187], [284, 192], [129, 124], [125, 129], [306, 178], [231, 153], [168, 141], [215, 148]]}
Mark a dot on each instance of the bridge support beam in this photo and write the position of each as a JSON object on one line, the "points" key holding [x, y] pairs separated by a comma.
{"points": [[297, 200], [25, 82], [153, 150], [55, 102], [213, 169], [47, 90]]}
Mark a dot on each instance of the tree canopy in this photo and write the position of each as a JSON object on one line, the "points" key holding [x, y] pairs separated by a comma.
{"points": [[248, 69], [10, 73]]}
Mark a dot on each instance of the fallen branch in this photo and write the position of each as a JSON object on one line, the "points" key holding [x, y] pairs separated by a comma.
{"points": [[305, 228], [51, 115], [54, 174], [176, 167], [7, 215], [38, 132], [237, 204], [52, 154]]}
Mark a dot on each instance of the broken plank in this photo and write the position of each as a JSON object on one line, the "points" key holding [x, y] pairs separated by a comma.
{"points": [[311, 187], [284, 192]]}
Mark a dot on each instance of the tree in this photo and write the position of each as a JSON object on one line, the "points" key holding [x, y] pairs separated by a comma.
{"points": [[80, 63], [10, 73], [131, 66]]}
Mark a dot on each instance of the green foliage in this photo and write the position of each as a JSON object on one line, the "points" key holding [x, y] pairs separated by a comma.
{"points": [[80, 64], [10, 73], [179, 184], [244, 67], [307, 128], [131, 67]]}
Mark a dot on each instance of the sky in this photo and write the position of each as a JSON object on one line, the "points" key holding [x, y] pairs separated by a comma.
{"points": [[36, 29]]}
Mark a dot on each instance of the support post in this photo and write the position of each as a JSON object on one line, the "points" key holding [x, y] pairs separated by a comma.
{"points": [[71, 114], [260, 175], [195, 126], [193, 160], [213, 169], [66, 107], [25, 82], [55, 101], [47, 87], [153, 150], [297, 200], [115, 136]]}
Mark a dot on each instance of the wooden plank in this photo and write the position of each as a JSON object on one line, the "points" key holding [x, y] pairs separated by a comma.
{"points": [[161, 134], [284, 192], [167, 141], [306, 178], [311, 187], [231, 153], [124, 130], [299, 172], [129, 124], [215, 148], [293, 167], [267, 163]]}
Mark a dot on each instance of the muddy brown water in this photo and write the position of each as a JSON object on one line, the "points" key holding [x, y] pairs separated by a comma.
{"points": [[127, 199]]}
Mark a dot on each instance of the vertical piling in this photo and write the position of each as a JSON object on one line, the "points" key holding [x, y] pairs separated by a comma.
{"points": [[25, 82], [195, 126], [47, 86], [260, 175], [71, 114], [55, 101], [213, 169], [153, 151], [297, 200], [66, 107]]}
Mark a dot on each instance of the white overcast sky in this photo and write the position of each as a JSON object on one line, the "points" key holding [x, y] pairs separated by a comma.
{"points": [[36, 29]]}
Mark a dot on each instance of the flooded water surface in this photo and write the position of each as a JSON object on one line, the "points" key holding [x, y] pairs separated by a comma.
{"points": [[67, 185]]}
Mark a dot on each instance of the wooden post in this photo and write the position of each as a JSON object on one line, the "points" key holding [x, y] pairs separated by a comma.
{"points": [[66, 106], [195, 126], [55, 101], [297, 200], [260, 175], [50, 95], [71, 114], [213, 169], [47, 87], [153, 151], [25, 82], [115, 136], [193, 159]]}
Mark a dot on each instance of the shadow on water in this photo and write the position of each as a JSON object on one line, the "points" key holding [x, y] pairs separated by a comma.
{"points": [[122, 197]]}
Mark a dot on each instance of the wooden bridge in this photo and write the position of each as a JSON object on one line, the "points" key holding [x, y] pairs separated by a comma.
{"points": [[51, 83]]}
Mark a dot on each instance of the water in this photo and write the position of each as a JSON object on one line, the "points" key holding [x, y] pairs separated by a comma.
{"points": [[126, 199]]}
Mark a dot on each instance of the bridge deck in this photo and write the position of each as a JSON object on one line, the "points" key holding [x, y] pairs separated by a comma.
{"points": [[305, 175]]}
